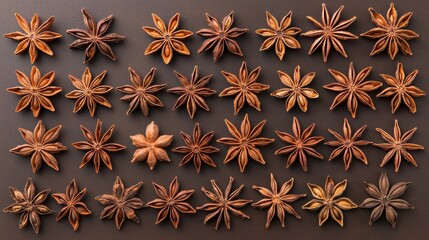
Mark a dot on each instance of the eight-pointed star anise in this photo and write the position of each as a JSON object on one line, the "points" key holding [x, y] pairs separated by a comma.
{"points": [[35, 90], [122, 203], [95, 37]]}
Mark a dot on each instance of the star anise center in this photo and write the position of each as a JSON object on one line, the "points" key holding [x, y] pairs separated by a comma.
{"points": [[276, 199], [28, 207], [244, 142], [195, 149]]}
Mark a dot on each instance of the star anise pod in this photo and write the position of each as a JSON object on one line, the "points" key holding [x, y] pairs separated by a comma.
{"points": [[74, 207], [29, 205], [244, 87], [348, 145], [35, 91], [89, 92], [277, 200], [41, 146], [171, 203], [329, 200], [352, 88], [301, 144], [244, 142], [95, 37], [142, 92], [97, 146], [330, 33], [398, 146], [224, 203], [385, 199], [281, 35], [296, 90], [168, 39], [401, 89], [34, 37], [391, 32], [220, 36], [150, 148], [197, 148], [192, 92], [122, 203]]}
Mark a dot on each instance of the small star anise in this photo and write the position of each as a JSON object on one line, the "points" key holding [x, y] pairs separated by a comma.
{"points": [[35, 91], [244, 87], [192, 92], [97, 146], [141, 93], [223, 204]]}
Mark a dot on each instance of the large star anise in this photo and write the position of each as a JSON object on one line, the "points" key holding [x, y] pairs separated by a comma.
{"points": [[192, 92], [398, 146], [197, 148], [220, 36], [41, 146], [330, 33], [390, 32], [281, 35], [277, 200], [95, 37], [352, 88], [29, 205], [89, 92], [141, 93], [35, 36], [122, 203], [244, 87], [301, 144], [223, 204], [97, 146], [385, 199], [401, 89], [329, 200], [171, 203], [296, 90], [244, 142], [35, 91], [168, 39], [74, 207]]}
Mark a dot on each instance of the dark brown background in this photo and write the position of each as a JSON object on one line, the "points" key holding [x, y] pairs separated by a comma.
{"points": [[130, 16]]}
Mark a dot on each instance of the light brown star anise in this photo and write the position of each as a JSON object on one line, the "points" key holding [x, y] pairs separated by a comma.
{"points": [[29, 205], [244, 143], [301, 144], [224, 203], [244, 87], [390, 32], [385, 199], [95, 37], [192, 92], [171, 203], [35, 91], [197, 148], [141, 93], [41, 146], [220, 36], [281, 35], [89, 92], [352, 89], [401, 89], [277, 200], [97, 146], [296, 90], [122, 203], [150, 148], [74, 207], [330, 33], [348, 145], [34, 37], [168, 39], [398, 146]]}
